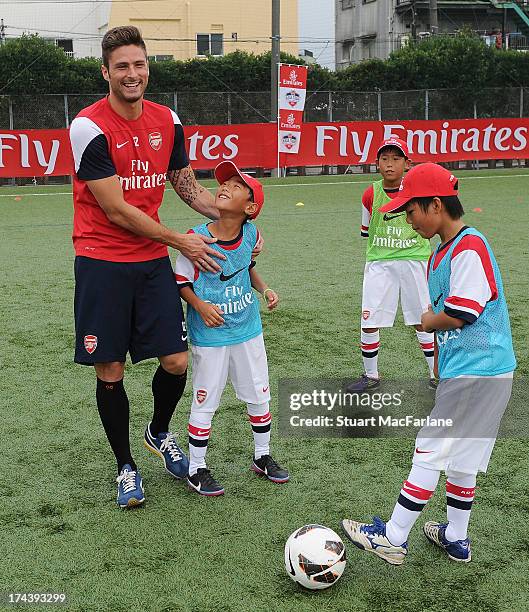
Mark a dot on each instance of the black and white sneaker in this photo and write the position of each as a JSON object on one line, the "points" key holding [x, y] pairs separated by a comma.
{"points": [[266, 466], [203, 483]]}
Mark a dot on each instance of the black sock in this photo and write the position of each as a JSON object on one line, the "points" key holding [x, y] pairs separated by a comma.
{"points": [[167, 390], [113, 407]]}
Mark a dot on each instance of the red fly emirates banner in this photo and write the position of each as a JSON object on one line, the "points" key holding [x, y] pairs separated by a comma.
{"points": [[292, 95], [47, 152]]}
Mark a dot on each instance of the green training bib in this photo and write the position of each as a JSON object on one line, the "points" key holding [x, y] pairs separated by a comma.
{"points": [[390, 237]]}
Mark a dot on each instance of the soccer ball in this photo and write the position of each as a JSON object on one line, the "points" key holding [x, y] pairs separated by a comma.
{"points": [[314, 556]]}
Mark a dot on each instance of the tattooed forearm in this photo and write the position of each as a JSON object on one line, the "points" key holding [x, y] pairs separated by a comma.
{"points": [[185, 184], [193, 194]]}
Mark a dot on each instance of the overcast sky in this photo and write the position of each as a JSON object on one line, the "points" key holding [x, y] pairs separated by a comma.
{"points": [[316, 20]]}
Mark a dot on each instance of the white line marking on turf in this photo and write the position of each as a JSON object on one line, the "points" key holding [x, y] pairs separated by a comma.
{"points": [[315, 183]]}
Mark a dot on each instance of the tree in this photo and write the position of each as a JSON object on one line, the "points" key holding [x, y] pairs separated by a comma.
{"points": [[30, 64]]}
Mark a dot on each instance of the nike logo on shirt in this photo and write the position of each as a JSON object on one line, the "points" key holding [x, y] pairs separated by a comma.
{"points": [[388, 217], [225, 278], [122, 144], [436, 301]]}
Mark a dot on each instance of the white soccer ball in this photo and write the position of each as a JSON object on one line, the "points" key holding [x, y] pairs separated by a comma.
{"points": [[315, 556]]}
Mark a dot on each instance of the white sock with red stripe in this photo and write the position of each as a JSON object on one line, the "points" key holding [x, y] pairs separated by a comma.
{"points": [[426, 341], [260, 419], [460, 490], [198, 443], [415, 493], [370, 343]]}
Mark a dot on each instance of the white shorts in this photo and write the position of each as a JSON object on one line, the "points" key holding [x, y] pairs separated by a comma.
{"points": [[244, 363], [476, 405], [383, 282]]}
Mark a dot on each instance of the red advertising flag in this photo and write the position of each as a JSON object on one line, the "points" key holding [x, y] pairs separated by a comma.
{"points": [[292, 76], [292, 95]]}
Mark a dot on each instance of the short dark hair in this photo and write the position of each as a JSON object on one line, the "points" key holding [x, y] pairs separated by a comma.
{"points": [[121, 36], [391, 149], [452, 205]]}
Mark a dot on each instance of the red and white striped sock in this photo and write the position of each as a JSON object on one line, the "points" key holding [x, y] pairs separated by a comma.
{"points": [[426, 341], [370, 343], [460, 490], [198, 444], [415, 493], [260, 419]]}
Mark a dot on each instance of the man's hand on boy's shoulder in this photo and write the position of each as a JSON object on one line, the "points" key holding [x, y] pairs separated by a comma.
{"points": [[195, 248]]}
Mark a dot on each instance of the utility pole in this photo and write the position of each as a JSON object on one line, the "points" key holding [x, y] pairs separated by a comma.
{"points": [[2, 32], [413, 21], [504, 29], [434, 25], [276, 38]]}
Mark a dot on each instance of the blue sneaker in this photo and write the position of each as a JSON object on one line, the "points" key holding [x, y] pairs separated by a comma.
{"points": [[130, 488], [457, 551], [372, 537], [165, 446]]}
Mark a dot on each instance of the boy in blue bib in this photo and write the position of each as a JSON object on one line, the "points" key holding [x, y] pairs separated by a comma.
{"points": [[475, 358], [224, 327]]}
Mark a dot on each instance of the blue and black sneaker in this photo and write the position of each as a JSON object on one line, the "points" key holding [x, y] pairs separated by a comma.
{"points": [[130, 488], [164, 445], [457, 551]]}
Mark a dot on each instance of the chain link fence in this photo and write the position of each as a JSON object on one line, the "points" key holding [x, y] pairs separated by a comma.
{"points": [[207, 108], [55, 111]]}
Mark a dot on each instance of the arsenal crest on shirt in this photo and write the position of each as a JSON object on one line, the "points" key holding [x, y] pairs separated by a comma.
{"points": [[155, 140], [90, 343]]}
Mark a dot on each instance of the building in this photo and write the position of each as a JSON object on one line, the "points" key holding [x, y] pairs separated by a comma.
{"points": [[183, 29], [173, 29], [316, 32], [77, 27], [374, 28]]}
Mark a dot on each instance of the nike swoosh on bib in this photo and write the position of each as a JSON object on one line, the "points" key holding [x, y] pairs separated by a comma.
{"points": [[388, 218], [225, 278], [436, 301]]}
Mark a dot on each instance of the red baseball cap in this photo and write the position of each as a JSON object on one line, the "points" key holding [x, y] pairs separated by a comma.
{"points": [[423, 181], [394, 142], [226, 169]]}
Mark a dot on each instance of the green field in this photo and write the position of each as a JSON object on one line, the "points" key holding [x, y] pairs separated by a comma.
{"points": [[61, 529]]}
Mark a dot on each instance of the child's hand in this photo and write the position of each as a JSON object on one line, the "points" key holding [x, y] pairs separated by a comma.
{"points": [[211, 314], [271, 297], [427, 318]]}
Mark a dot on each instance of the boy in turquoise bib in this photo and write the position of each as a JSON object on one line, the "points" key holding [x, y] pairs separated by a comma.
{"points": [[469, 316]]}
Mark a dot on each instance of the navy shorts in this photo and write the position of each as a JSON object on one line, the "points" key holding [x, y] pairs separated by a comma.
{"points": [[126, 307]]}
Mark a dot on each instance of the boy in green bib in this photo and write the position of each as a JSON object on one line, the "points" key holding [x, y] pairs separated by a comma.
{"points": [[396, 266]]}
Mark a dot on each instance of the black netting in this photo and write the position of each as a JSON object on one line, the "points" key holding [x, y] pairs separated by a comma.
{"points": [[402, 105]]}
